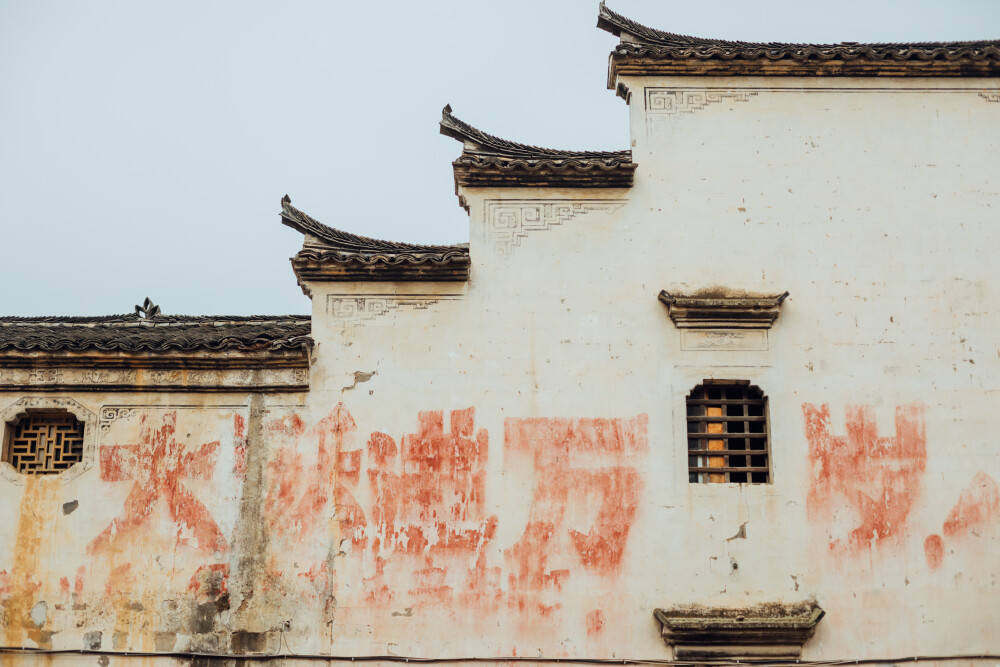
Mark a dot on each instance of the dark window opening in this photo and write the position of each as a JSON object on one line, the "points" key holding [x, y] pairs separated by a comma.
{"points": [[727, 433], [43, 442]]}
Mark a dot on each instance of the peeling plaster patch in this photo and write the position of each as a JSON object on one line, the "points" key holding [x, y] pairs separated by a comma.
{"points": [[38, 613], [164, 641], [92, 641], [359, 377], [741, 534], [406, 612], [70, 507]]}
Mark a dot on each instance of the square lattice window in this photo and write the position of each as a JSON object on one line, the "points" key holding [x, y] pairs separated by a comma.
{"points": [[43, 442], [727, 433]]}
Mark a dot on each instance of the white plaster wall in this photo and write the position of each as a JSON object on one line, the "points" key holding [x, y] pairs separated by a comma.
{"points": [[874, 203]]}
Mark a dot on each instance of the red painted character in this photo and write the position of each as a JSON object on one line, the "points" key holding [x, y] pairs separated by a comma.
{"points": [[158, 465]]}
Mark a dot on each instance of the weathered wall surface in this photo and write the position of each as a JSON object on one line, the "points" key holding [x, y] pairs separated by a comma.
{"points": [[499, 469]]}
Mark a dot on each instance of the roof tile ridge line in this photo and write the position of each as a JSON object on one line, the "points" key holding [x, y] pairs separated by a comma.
{"points": [[615, 23], [453, 127], [129, 320], [343, 241]]}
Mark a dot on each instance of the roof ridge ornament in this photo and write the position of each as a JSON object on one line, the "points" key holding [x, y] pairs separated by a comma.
{"points": [[147, 310]]}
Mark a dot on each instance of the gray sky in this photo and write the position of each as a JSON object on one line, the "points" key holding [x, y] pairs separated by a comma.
{"points": [[145, 146]]}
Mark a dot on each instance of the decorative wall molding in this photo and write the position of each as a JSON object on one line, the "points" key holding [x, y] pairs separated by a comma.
{"points": [[354, 309], [112, 413], [90, 434], [662, 104], [669, 101], [511, 220], [990, 97], [154, 379]]}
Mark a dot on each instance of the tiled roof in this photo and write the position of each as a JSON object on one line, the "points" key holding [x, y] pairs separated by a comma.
{"points": [[645, 50], [332, 254], [489, 161], [161, 333]]}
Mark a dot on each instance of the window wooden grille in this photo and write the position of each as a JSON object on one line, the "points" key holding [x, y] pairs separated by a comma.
{"points": [[40, 443], [728, 438]]}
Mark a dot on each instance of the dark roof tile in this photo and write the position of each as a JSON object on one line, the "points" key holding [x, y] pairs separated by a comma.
{"points": [[645, 50], [163, 333], [489, 161], [332, 254]]}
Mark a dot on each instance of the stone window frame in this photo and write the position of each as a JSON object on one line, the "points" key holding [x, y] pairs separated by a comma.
{"points": [[700, 445], [41, 403]]}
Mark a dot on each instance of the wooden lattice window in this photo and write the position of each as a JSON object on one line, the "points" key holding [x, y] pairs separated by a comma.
{"points": [[728, 438], [42, 442]]}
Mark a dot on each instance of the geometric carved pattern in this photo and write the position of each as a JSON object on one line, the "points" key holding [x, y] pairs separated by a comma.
{"points": [[11, 415], [662, 103], [44, 442], [510, 221], [666, 101], [351, 310]]}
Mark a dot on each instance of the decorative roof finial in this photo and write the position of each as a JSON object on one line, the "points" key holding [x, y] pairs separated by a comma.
{"points": [[148, 309]]}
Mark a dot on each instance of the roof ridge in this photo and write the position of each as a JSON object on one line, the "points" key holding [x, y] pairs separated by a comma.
{"points": [[616, 24], [343, 241], [135, 320], [492, 145]]}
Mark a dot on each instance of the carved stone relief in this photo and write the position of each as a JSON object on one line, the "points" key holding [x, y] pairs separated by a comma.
{"points": [[155, 379], [510, 221]]}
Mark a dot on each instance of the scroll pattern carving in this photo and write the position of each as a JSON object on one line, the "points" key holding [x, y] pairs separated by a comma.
{"points": [[510, 221], [662, 104], [990, 97], [352, 310]]}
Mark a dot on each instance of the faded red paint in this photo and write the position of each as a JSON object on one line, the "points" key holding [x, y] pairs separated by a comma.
{"points": [[876, 478], [298, 492], [240, 447], [158, 465], [978, 505], [934, 551], [64, 584], [428, 511], [577, 463], [78, 580], [595, 622], [210, 581]]}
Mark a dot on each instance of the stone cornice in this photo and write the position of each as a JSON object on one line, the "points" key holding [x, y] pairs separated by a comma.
{"points": [[719, 309], [765, 631]]}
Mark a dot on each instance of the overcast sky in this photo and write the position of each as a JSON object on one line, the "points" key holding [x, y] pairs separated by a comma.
{"points": [[145, 146]]}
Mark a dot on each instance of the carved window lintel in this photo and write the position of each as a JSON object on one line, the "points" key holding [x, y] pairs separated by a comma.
{"points": [[721, 310], [766, 631]]}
